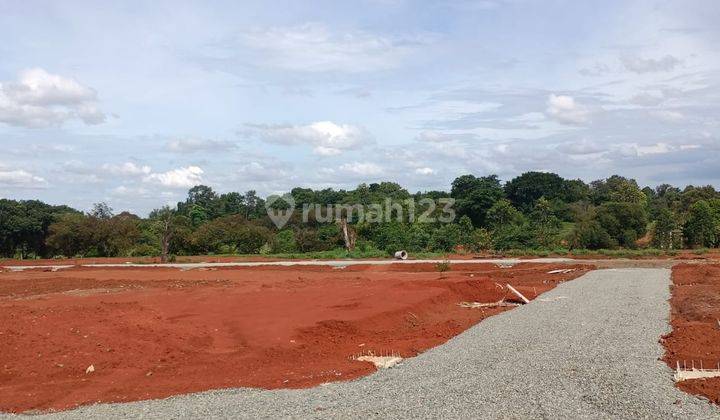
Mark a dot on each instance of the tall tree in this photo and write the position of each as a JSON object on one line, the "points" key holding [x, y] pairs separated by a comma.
{"points": [[475, 196], [527, 188], [701, 227]]}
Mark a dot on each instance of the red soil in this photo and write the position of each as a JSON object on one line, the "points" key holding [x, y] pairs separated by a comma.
{"points": [[156, 332], [695, 335]]}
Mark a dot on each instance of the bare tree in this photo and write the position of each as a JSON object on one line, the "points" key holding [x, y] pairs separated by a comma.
{"points": [[349, 235], [164, 226]]}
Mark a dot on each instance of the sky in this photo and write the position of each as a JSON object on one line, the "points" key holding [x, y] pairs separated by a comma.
{"points": [[133, 103]]}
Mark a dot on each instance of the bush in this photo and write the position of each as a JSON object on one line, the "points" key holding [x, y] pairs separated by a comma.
{"points": [[511, 237], [443, 266], [284, 241], [144, 250], [445, 238], [590, 234], [480, 240]]}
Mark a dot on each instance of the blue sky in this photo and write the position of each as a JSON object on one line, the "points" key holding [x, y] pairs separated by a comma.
{"points": [[134, 102]]}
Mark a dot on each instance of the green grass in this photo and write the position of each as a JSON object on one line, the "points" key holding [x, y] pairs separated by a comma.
{"points": [[615, 253]]}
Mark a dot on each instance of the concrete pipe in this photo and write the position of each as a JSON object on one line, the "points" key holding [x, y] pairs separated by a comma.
{"points": [[401, 255]]}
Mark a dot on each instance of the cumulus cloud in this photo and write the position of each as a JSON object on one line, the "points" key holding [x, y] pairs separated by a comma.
{"points": [[186, 177], [649, 65], [565, 110], [326, 137], [313, 47], [192, 145], [264, 171], [20, 178], [41, 99], [425, 171], [124, 191]]}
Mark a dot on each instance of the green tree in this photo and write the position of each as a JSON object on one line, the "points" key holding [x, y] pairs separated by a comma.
{"points": [[544, 224], [101, 211], [502, 213], [618, 189], [70, 235], [527, 188], [510, 228], [589, 234], [445, 238], [284, 242], [475, 196], [665, 226], [623, 221], [171, 230], [701, 228]]}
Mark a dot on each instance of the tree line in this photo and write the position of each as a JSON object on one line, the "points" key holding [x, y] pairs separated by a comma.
{"points": [[536, 210]]}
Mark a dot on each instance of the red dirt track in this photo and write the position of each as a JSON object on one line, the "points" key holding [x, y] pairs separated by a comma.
{"points": [[695, 335], [156, 332]]}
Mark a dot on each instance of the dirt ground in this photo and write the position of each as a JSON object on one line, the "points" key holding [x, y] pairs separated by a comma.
{"points": [[156, 332], [695, 320]]}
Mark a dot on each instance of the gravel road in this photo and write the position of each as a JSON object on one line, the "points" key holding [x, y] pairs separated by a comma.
{"points": [[587, 349]]}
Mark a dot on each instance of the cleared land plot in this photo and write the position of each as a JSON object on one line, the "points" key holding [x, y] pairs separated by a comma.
{"points": [[695, 337], [155, 332], [587, 349]]}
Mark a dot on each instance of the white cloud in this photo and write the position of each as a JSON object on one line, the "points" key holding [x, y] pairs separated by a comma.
{"points": [[649, 65], [670, 116], [41, 99], [634, 149], [191, 145], [127, 168], [362, 168], [264, 172], [313, 47], [123, 191], [20, 178], [435, 137], [582, 147], [565, 110], [186, 177], [425, 171], [326, 137], [647, 99]]}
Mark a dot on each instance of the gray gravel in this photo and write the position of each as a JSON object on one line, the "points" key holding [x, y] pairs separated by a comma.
{"points": [[587, 349]]}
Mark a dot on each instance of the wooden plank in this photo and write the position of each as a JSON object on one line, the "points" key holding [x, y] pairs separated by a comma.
{"points": [[518, 294]]}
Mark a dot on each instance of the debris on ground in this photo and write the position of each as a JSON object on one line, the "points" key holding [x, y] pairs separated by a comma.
{"points": [[561, 271], [518, 294], [381, 362], [90, 369], [683, 373], [500, 303]]}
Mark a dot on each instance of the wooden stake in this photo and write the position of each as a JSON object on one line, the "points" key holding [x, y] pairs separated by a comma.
{"points": [[518, 294]]}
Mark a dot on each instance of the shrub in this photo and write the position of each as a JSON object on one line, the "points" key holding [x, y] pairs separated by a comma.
{"points": [[445, 238], [443, 266], [590, 234], [284, 241]]}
